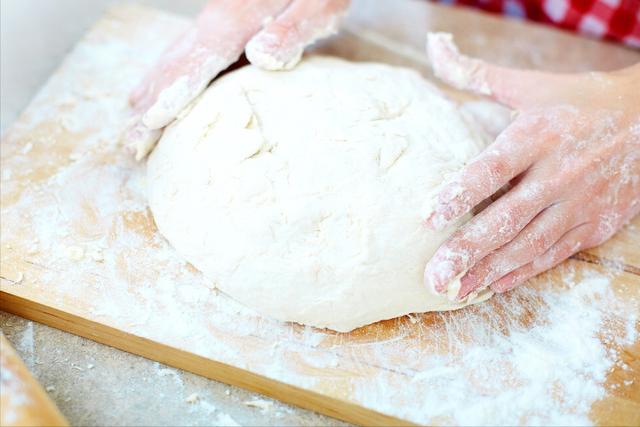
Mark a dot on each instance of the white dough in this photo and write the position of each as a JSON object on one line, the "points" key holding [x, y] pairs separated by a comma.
{"points": [[301, 194]]}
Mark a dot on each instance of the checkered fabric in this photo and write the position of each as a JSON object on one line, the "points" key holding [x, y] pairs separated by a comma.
{"points": [[617, 20]]}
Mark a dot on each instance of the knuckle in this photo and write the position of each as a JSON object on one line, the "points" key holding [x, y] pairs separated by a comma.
{"points": [[452, 192], [458, 252], [533, 243], [477, 233], [489, 173], [555, 255], [508, 221], [608, 224], [590, 237], [482, 271], [499, 266], [498, 166]]}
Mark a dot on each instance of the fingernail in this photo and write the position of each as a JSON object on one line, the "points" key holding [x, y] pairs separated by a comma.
{"points": [[438, 220], [139, 140], [266, 57], [467, 285], [438, 274]]}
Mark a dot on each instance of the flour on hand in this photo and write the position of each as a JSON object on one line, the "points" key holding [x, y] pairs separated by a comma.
{"points": [[300, 194]]}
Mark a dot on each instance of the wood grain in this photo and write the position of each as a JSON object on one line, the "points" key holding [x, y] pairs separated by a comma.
{"points": [[80, 250]]}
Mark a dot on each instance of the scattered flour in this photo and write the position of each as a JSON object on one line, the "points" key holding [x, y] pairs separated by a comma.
{"points": [[544, 372], [192, 398]]}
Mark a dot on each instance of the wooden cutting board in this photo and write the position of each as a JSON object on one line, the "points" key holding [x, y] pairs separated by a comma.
{"points": [[80, 252]]}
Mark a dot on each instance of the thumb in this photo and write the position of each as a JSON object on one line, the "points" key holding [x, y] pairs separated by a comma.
{"points": [[279, 45], [512, 87]]}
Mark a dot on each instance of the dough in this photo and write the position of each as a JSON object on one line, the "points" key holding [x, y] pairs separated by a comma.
{"points": [[301, 194]]}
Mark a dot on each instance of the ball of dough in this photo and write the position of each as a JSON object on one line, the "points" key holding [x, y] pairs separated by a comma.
{"points": [[301, 194]]}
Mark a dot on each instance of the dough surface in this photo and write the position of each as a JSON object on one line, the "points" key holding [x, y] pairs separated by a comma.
{"points": [[301, 194]]}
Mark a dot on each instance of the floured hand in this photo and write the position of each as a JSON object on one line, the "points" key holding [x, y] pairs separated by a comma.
{"points": [[274, 34], [572, 155]]}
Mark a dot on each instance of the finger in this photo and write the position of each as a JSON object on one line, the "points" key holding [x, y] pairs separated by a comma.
{"points": [[221, 33], [139, 140], [515, 149], [568, 245], [167, 89], [512, 87], [534, 240], [280, 44], [490, 229], [173, 98], [143, 96], [181, 75], [164, 71], [186, 68]]}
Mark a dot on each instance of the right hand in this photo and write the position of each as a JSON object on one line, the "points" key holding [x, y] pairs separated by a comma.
{"points": [[572, 155], [273, 33]]}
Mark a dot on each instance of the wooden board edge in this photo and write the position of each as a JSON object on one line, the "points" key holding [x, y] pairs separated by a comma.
{"points": [[199, 365]]}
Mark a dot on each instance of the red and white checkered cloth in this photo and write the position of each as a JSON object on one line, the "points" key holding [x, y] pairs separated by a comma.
{"points": [[617, 20]]}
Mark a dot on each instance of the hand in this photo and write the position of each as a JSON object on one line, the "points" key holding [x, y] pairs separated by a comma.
{"points": [[274, 34], [572, 155]]}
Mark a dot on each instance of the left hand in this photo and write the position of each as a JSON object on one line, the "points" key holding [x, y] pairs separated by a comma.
{"points": [[272, 33], [572, 155]]}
